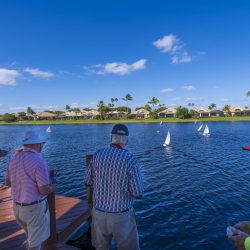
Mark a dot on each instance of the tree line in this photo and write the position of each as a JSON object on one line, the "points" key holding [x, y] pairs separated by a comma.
{"points": [[153, 106]]}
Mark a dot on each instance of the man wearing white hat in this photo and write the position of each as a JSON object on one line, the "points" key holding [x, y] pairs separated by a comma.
{"points": [[28, 176]]}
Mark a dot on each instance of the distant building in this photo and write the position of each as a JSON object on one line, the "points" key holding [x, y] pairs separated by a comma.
{"points": [[116, 114], [92, 114], [202, 112], [238, 111], [45, 115], [140, 113], [216, 113], [168, 112]]}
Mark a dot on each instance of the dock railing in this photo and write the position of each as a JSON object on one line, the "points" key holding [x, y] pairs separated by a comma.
{"points": [[52, 210], [89, 189], [52, 206]]}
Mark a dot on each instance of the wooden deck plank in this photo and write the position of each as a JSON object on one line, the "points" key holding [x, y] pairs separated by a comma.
{"points": [[71, 213]]}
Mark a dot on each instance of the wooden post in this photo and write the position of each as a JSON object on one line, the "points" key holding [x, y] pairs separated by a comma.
{"points": [[89, 189], [52, 210]]}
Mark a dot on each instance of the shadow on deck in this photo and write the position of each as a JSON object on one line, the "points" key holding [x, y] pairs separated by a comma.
{"points": [[70, 214]]}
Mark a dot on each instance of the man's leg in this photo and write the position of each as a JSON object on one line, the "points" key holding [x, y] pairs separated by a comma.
{"points": [[21, 223], [100, 233], [124, 230], [38, 224]]}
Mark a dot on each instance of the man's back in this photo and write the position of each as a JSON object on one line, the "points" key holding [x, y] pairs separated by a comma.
{"points": [[26, 171], [116, 179]]}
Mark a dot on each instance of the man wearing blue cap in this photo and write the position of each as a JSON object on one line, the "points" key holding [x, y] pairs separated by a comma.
{"points": [[114, 174]]}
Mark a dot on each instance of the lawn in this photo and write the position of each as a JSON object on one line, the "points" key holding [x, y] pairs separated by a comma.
{"points": [[94, 121]]}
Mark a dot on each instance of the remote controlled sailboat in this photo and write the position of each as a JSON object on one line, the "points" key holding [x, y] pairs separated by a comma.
{"points": [[48, 130], [167, 140], [206, 131]]}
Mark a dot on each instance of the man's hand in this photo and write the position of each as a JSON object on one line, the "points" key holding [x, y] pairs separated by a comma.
{"points": [[52, 187], [47, 189], [238, 239], [3, 153]]}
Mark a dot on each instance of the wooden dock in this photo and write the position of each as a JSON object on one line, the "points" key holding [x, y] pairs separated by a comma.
{"points": [[70, 214]]}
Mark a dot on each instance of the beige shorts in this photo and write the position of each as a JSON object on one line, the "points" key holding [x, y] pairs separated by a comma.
{"points": [[35, 220], [120, 226]]}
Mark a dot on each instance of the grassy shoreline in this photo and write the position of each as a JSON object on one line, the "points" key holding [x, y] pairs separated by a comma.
{"points": [[94, 121]]}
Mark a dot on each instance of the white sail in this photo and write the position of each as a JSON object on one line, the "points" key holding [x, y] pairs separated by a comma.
{"points": [[167, 140], [206, 131], [161, 123], [199, 129], [48, 130]]}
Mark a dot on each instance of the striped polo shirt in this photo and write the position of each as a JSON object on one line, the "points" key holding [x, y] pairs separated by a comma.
{"points": [[116, 179], [27, 171]]}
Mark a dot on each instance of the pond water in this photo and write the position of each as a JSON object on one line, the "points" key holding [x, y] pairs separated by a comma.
{"points": [[194, 189]]}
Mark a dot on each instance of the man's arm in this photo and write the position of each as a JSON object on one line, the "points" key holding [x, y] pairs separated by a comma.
{"points": [[7, 182], [42, 179], [136, 186], [89, 173], [47, 189]]}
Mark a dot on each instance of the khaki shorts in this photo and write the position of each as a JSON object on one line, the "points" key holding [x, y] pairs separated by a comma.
{"points": [[35, 220], [120, 226]]}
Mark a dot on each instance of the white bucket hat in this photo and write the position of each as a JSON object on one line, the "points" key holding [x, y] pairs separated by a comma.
{"points": [[33, 137]]}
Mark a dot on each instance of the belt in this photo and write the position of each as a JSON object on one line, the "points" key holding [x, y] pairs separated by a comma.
{"points": [[29, 204], [126, 210]]}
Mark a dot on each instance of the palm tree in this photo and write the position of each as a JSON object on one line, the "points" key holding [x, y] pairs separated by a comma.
{"points": [[248, 95], [113, 100], [191, 104], [212, 106], [30, 112], [127, 98], [154, 101], [227, 109], [148, 108], [67, 107], [101, 106]]}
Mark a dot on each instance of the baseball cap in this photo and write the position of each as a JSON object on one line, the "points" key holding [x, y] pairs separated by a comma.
{"points": [[120, 129]]}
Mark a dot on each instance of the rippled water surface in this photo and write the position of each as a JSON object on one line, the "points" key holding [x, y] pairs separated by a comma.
{"points": [[194, 188]]}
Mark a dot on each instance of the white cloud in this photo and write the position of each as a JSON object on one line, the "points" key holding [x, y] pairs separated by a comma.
{"points": [[39, 73], [189, 88], [75, 105], [117, 68], [175, 47], [168, 43], [167, 90], [172, 105], [8, 77], [184, 58], [18, 108], [83, 105], [190, 99], [50, 107], [225, 100]]}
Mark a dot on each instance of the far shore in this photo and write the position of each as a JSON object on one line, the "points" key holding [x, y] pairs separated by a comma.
{"points": [[149, 120]]}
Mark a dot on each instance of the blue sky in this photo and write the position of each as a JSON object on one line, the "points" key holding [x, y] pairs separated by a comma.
{"points": [[57, 52]]}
